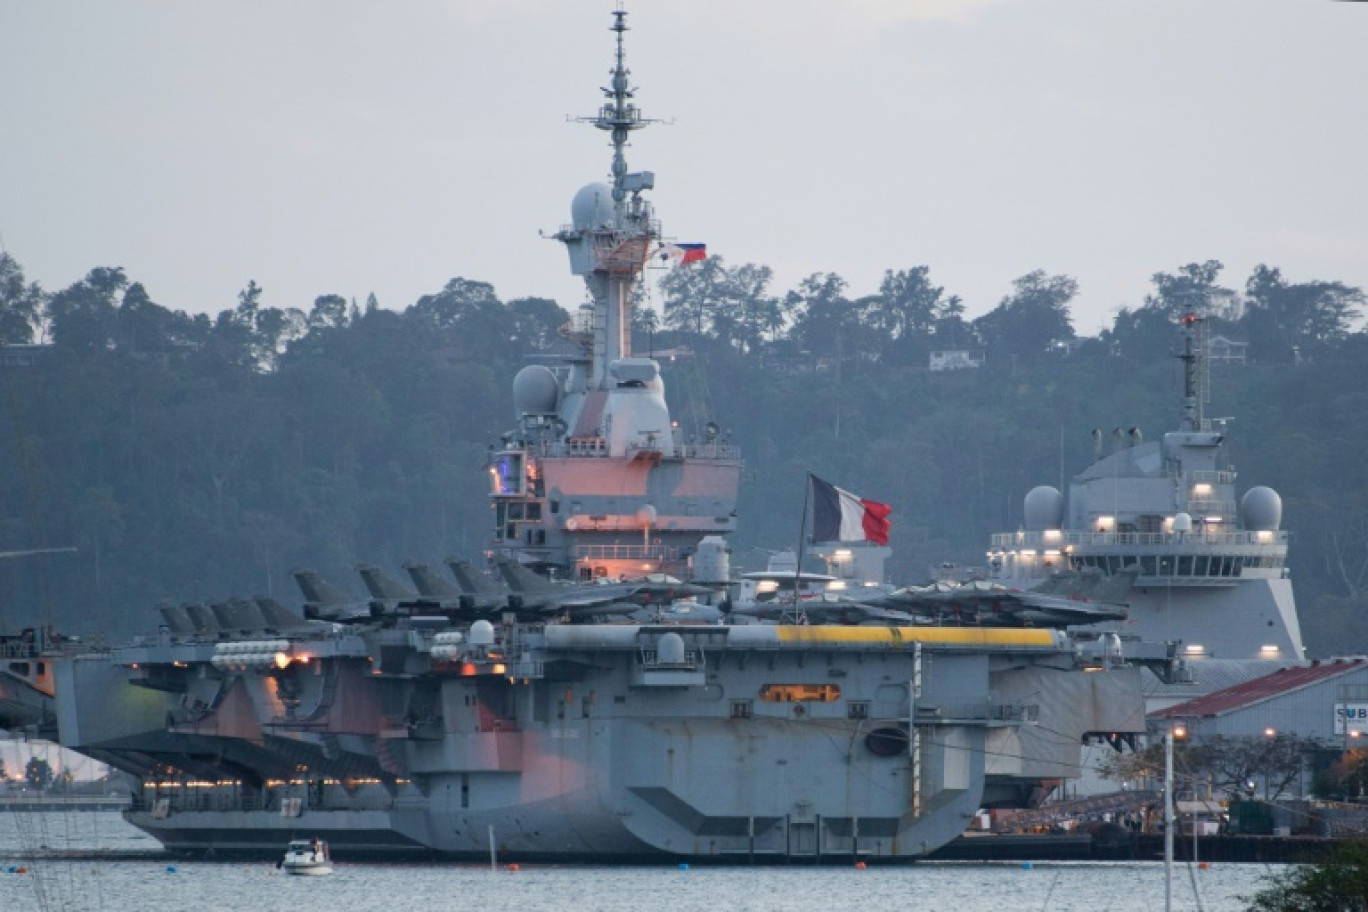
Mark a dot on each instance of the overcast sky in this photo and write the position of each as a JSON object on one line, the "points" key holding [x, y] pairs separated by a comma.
{"points": [[341, 146]]}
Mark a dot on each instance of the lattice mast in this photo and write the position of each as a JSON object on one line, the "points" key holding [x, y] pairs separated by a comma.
{"points": [[614, 226]]}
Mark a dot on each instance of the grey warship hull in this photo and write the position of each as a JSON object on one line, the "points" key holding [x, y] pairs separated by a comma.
{"points": [[593, 742]]}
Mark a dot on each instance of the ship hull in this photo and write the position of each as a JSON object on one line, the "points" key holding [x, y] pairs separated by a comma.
{"points": [[595, 742]]}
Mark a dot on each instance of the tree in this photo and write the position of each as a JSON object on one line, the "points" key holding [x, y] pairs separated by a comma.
{"points": [[1307, 316], [21, 306], [1035, 315], [84, 315], [695, 297], [1337, 885], [1192, 289], [910, 302], [1229, 764], [38, 774], [538, 321]]}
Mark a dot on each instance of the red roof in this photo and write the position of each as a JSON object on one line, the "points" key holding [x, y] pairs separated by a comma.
{"points": [[1284, 680]]}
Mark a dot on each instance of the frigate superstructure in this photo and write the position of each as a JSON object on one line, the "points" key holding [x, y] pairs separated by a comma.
{"points": [[1211, 571], [454, 727], [597, 480]]}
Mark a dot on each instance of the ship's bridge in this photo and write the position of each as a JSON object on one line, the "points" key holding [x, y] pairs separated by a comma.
{"points": [[1198, 558]]}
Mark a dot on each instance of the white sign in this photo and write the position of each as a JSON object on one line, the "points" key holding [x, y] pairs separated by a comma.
{"points": [[1357, 716]]}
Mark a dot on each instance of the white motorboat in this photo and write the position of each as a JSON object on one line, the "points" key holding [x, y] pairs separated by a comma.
{"points": [[307, 856]]}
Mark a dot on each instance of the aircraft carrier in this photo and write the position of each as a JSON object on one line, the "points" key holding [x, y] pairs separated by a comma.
{"points": [[562, 726]]}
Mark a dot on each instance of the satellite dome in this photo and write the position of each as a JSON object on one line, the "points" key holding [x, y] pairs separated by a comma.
{"points": [[481, 633], [1261, 508], [1044, 509], [1182, 522], [536, 390], [592, 206], [670, 649]]}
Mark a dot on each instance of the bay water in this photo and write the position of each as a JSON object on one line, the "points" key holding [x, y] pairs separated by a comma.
{"points": [[154, 884]]}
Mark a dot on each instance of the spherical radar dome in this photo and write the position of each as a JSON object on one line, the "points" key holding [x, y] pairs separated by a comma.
{"points": [[1044, 508], [536, 390], [1262, 509], [592, 206]]}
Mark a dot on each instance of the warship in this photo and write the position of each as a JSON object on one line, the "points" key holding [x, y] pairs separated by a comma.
{"points": [[1211, 580], [544, 727]]}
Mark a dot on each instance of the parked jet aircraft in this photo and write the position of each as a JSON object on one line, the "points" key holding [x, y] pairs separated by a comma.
{"points": [[324, 600], [1065, 600], [530, 591], [479, 591]]}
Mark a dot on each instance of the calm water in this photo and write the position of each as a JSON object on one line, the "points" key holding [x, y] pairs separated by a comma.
{"points": [[149, 887]]}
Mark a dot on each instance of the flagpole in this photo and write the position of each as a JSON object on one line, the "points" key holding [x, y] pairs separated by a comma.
{"points": [[802, 537]]}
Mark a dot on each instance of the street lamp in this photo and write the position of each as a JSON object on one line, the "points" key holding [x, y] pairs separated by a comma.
{"points": [[1177, 731]]}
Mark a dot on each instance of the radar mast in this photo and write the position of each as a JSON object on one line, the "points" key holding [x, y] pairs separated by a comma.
{"points": [[613, 226]]}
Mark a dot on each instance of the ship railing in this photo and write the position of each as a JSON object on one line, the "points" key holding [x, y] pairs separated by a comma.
{"points": [[625, 552], [580, 447], [1052, 540], [650, 659], [717, 451], [1198, 508], [1221, 476], [597, 448], [987, 713]]}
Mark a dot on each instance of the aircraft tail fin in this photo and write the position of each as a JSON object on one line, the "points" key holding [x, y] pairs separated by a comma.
{"points": [[319, 591], [382, 586], [429, 584], [521, 579], [472, 581], [1116, 588], [177, 619], [277, 616]]}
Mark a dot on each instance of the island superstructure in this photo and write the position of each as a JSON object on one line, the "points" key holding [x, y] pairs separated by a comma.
{"points": [[1212, 573], [597, 480]]}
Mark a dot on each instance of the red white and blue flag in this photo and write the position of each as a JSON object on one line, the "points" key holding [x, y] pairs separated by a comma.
{"points": [[684, 254], [692, 253], [838, 515]]}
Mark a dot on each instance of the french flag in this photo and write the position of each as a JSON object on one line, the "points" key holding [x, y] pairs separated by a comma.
{"points": [[838, 515]]}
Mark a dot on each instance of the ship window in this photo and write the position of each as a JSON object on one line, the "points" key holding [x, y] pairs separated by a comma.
{"points": [[1203, 566], [858, 709], [740, 709], [555, 507], [507, 473], [19, 668], [1147, 565], [1236, 566], [533, 512], [800, 693], [1185, 565], [515, 510]]}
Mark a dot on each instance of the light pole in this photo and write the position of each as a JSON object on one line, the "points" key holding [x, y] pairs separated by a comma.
{"points": [[1177, 731], [1347, 759]]}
